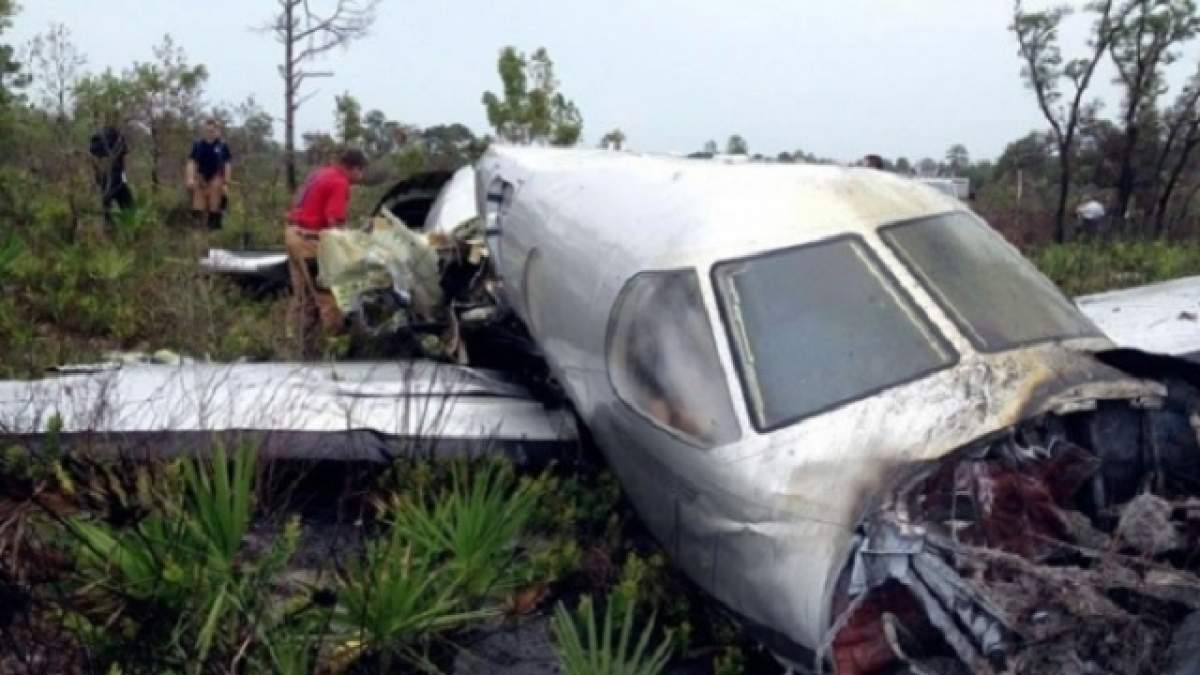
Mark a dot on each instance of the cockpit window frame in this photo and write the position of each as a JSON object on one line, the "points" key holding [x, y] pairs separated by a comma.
{"points": [[960, 323], [886, 275], [610, 332]]}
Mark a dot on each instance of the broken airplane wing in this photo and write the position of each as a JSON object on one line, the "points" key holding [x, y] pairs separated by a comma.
{"points": [[1159, 318], [348, 411]]}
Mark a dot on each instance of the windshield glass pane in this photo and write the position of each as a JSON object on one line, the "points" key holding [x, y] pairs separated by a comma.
{"points": [[820, 325], [996, 296], [663, 359]]}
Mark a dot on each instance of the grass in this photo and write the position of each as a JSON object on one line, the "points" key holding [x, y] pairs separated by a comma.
{"points": [[1090, 267]]}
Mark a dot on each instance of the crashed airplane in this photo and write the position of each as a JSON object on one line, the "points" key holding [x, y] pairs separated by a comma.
{"points": [[847, 408], [850, 410]]}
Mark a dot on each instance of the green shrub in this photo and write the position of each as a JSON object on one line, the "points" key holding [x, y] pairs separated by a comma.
{"points": [[180, 590], [473, 523], [1090, 267], [606, 649], [394, 601]]}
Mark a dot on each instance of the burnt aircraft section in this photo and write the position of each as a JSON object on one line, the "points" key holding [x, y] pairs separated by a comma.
{"points": [[1064, 544]]}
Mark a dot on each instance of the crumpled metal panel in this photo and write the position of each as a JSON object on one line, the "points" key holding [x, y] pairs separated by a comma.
{"points": [[410, 400]]}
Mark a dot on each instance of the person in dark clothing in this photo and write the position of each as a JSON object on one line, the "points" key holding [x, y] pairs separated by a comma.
{"points": [[209, 170], [108, 150]]}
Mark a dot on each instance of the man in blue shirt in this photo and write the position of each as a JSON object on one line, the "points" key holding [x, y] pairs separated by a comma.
{"points": [[209, 170]]}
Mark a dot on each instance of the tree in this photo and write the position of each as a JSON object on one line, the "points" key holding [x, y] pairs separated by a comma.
{"points": [[1141, 46], [57, 64], [319, 148], [10, 71], [736, 145], [380, 135], [450, 146], [105, 99], [927, 167], [54, 67], [614, 140], [530, 108], [958, 159], [711, 147], [903, 166], [168, 93], [1182, 137], [348, 114], [307, 33], [1043, 69]]}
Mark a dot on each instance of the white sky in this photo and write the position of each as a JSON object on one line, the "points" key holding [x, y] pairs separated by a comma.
{"points": [[839, 78]]}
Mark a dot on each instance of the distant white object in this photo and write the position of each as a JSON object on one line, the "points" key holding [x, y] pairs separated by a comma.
{"points": [[959, 188], [1090, 210], [454, 204], [1162, 318]]}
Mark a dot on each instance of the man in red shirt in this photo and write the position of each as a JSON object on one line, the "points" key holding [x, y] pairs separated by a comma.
{"points": [[320, 204]]}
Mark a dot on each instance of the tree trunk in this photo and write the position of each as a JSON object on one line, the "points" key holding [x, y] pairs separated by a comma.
{"points": [[1125, 179], [289, 97], [1064, 186], [1160, 213], [155, 155]]}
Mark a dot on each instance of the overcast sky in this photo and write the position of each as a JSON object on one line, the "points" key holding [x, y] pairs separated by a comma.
{"points": [[838, 78]]}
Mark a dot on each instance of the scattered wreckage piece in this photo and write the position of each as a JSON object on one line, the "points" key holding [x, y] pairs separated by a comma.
{"points": [[1161, 318], [762, 352], [260, 271], [358, 411], [414, 287]]}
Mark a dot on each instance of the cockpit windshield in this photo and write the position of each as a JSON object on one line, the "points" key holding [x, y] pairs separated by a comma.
{"points": [[663, 359], [997, 298], [820, 325]]}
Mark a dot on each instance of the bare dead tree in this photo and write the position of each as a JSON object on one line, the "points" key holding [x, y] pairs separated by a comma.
{"points": [[1141, 47], [306, 33], [1043, 68], [1182, 122]]}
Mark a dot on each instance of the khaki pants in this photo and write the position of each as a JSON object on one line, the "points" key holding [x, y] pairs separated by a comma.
{"points": [[206, 196], [309, 304]]}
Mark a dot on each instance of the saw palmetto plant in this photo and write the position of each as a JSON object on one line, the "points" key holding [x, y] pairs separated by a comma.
{"points": [[586, 647]]}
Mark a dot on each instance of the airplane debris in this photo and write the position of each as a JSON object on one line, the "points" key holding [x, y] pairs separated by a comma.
{"points": [[360, 411]]}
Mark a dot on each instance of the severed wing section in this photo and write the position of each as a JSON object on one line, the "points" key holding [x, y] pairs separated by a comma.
{"points": [[354, 411], [1161, 318]]}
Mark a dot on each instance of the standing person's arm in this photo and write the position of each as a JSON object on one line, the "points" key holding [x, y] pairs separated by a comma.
{"points": [[228, 164], [190, 172]]}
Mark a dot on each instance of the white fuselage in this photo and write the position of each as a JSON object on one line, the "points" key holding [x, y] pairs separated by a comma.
{"points": [[763, 523]]}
